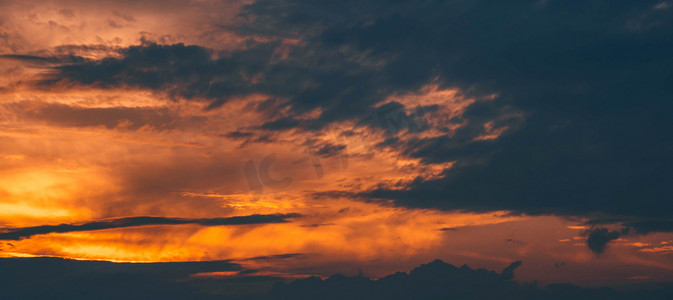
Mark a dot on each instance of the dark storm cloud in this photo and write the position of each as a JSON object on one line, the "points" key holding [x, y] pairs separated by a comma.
{"points": [[24, 232], [648, 226], [184, 71], [343, 85], [599, 238], [593, 90], [584, 89]]}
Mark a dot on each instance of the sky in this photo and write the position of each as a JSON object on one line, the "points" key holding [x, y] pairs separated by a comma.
{"points": [[287, 139]]}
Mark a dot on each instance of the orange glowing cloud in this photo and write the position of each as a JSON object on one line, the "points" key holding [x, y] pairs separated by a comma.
{"points": [[151, 155], [66, 25]]}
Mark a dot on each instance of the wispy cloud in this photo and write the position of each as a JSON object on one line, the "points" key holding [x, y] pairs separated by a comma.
{"points": [[25, 232]]}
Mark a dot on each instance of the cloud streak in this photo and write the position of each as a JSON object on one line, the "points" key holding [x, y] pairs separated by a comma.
{"points": [[117, 223]]}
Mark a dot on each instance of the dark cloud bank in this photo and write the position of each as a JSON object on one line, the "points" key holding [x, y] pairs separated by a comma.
{"points": [[585, 88], [54, 278]]}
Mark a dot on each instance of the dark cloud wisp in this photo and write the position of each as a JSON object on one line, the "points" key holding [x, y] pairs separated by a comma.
{"points": [[25, 232]]}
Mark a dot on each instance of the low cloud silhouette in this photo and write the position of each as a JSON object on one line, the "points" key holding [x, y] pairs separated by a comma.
{"points": [[55, 278], [439, 280]]}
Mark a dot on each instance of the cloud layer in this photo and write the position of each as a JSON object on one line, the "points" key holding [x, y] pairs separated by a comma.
{"points": [[401, 132]]}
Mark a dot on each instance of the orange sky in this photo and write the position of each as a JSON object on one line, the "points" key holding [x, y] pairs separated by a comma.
{"points": [[75, 154]]}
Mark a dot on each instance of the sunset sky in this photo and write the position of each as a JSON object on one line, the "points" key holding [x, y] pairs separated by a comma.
{"points": [[294, 138]]}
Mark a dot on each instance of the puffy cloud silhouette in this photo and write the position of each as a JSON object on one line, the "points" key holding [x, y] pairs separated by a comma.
{"points": [[55, 278], [439, 280], [599, 238]]}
